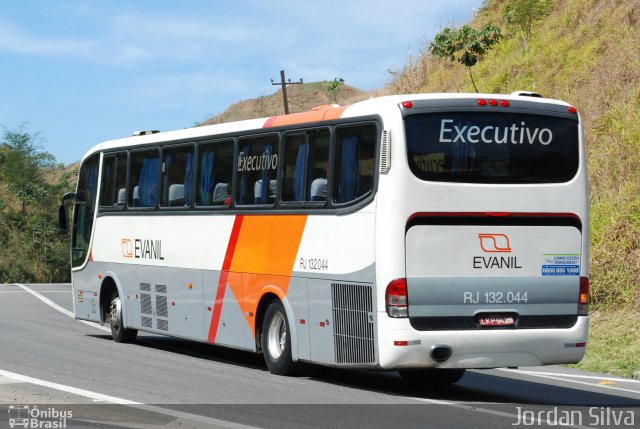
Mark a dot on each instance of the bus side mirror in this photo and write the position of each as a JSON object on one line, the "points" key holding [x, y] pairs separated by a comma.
{"points": [[63, 213], [63, 219]]}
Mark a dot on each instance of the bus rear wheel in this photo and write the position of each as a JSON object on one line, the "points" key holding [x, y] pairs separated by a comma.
{"points": [[275, 340], [119, 333], [431, 376]]}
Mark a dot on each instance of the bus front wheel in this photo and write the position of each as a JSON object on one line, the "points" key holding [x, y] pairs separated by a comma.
{"points": [[119, 333], [275, 340]]}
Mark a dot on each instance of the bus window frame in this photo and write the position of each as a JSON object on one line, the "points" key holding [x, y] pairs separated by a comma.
{"points": [[132, 152], [116, 155], [160, 196], [277, 208], [252, 207], [376, 161], [305, 203], [209, 141]]}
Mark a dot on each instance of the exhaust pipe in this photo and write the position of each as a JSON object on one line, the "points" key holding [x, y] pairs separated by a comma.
{"points": [[441, 352]]}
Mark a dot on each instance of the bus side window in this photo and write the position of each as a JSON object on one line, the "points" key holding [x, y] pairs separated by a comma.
{"points": [[143, 181], [293, 167], [257, 167], [354, 162], [215, 166], [177, 176], [107, 183], [318, 166], [114, 179]]}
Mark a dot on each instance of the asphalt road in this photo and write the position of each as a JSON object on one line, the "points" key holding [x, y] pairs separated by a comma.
{"points": [[59, 365]]}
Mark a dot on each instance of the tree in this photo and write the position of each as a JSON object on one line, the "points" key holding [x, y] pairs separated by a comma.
{"points": [[334, 86], [520, 15], [465, 45], [22, 164]]}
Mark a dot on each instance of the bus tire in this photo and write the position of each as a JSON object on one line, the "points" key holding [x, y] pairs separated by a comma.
{"points": [[431, 376], [275, 340], [119, 333]]}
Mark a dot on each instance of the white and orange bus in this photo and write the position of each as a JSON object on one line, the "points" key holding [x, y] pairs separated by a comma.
{"points": [[424, 233]]}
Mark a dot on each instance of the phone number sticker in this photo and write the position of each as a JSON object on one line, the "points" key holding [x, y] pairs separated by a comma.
{"points": [[561, 270]]}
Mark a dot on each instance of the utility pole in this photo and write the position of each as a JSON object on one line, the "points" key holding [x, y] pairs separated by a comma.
{"points": [[284, 84]]}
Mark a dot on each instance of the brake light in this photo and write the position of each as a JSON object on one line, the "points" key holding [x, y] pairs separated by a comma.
{"points": [[583, 297], [397, 299], [573, 110]]}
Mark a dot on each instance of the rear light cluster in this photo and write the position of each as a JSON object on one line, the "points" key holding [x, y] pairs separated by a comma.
{"points": [[396, 298], [583, 297], [492, 102]]}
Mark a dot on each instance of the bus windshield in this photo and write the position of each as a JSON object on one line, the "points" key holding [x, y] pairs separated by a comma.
{"points": [[492, 147]]}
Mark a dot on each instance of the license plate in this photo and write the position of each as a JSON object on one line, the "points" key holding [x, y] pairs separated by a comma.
{"points": [[497, 321]]}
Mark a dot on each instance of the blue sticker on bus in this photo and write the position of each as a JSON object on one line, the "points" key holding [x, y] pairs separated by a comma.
{"points": [[561, 270]]}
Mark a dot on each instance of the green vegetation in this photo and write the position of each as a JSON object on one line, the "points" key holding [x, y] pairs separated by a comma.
{"points": [[334, 87], [465, 45], [30, 248]]}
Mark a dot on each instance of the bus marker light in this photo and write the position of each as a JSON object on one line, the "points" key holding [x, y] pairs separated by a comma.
{"points": [[482, 102], [190, 285], [173, 303], [504, 103], [99, 276], [209, 309], [401, 343], [493, 102], [303, 322], [584, 291], [407, 104], [322, 325], [573, 110], [581, 344]]}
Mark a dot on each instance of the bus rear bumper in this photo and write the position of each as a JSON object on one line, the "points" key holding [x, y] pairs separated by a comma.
{"points": [[401, 346]]}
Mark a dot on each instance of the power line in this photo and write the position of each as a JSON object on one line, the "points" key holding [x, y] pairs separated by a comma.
{"points": [[284, 84]]}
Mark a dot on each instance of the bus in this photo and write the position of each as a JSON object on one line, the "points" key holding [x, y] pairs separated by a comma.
{"points": [[426, 234]]}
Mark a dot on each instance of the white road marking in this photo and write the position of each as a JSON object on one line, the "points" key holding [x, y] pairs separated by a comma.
{"points": [[19, 378], [61, 309], [64, 388], [24, 291], [565, 380], [589, 377]]}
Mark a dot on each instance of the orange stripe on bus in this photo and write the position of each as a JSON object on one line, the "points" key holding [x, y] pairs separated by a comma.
{"points": [[260, 258], [322, 114], [222, 282]]}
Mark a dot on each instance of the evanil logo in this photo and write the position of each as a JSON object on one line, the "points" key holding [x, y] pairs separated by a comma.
{"points": [[514, 134]]}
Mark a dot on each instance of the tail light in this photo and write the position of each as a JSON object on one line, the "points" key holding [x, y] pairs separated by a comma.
{"points": [[397, 299], [583, 297]]}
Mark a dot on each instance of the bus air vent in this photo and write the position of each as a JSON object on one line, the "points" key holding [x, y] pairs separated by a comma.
{"points": [[163, 324], [146, 322], [385, 152], [353, 323]]}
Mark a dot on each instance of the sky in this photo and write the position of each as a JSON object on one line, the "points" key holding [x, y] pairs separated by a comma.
{"points": [[78, 72]]}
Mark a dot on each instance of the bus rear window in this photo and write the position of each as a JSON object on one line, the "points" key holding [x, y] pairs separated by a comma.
{"points": [[492, 147]]}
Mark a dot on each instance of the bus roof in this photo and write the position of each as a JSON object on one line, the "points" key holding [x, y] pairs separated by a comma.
{"points": [[318, 114]]}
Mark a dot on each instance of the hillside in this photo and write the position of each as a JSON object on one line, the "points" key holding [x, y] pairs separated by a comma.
{"points": [[301, 98]]}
